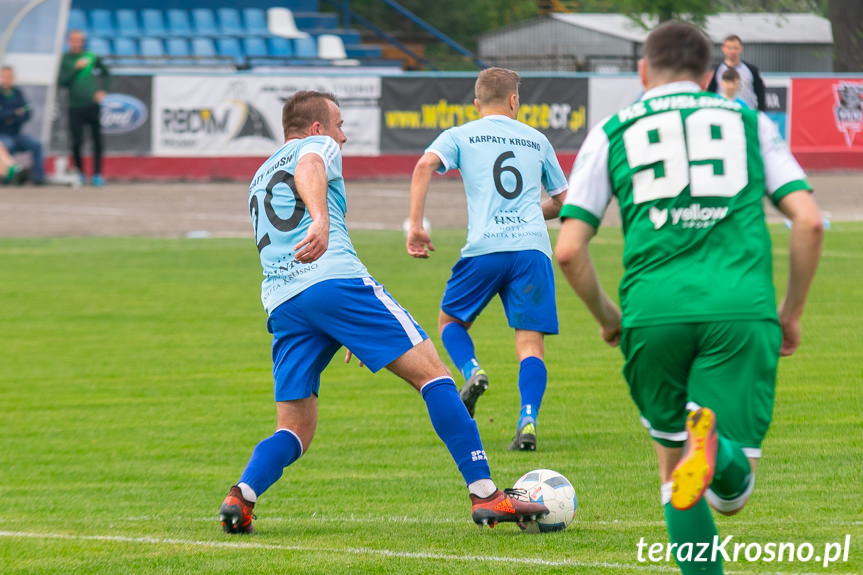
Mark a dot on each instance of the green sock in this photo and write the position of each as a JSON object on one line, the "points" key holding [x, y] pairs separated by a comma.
{"points": [[13, 169], [693, 532], [732, 470]]}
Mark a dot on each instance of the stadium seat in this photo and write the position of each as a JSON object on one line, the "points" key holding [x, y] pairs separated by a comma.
{"points": [[101, 24], [154, 23], [316, 21], [152, 47], [77, 20], [178, 47], [280, 22], [229, 22], [255, 47], [203, 47], [331, 47], [230, 47], [127, 23], [280, 47], [256, 22], [305, 47], [125, 47], [205, 22], [349, 37], [364, 52], [125, 52], [178, 23], [99, 46]]}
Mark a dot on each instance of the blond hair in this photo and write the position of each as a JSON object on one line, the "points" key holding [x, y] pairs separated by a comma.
{"points": [[495, 85]]}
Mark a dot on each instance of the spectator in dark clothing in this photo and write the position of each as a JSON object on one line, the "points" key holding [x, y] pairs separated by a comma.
{"points": [[14, 112], [88, 79], [751, 84]]}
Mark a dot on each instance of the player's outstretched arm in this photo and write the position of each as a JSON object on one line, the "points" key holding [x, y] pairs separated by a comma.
{"points": [[419, 241], [574, 260], [807, 231], [310, 178]]}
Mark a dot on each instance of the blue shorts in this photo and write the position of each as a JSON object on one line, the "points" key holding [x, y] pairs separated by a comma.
{"points": [[309, 329], [524, 281]]}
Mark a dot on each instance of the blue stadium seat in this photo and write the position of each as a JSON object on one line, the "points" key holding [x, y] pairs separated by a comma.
{"points": [[178, 47], [125, 47], [349, 37], [319, 21], [99, 46], [203, 47], [229, 22], [230, 47], [364, 52], [178, 23], [154, 23], [77, 20], [255, 47], [127, 23], [101, 24], [152, 47], [305, 47], [280, 47], [256, 22], [205, 22]]}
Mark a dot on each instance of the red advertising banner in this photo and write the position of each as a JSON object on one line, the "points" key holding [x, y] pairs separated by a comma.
{"points": [[827, 122]]}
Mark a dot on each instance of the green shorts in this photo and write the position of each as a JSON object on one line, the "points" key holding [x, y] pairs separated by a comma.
{"points": [[729, 367]]}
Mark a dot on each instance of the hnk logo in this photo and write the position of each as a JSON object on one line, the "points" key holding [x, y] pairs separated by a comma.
{"points": [[232, 118], [693, 216], [848, 110]]}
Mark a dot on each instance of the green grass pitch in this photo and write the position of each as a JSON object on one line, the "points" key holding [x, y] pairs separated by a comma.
{"points": [[135, 380]]}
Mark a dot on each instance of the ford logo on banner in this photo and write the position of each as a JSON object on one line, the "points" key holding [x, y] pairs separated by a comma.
{"points": [[122, 113]]}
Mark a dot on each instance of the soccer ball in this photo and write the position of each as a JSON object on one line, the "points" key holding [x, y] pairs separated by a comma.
{"points": [[406, 226], [555, 492]]}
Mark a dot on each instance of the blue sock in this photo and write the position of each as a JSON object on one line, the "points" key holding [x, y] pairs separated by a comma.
{"points": [[532, 379], [459, 346], [455, 427], [269, 459]]}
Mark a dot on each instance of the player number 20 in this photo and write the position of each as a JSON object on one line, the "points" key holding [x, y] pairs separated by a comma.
{"points": [[707, 152], [280, 224]]}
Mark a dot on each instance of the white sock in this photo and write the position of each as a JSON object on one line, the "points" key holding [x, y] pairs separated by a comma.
{"points": [[665, 493], [248, 493], [482, 488]]}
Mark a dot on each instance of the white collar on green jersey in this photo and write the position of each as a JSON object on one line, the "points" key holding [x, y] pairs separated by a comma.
{"points": [[672, 88]]}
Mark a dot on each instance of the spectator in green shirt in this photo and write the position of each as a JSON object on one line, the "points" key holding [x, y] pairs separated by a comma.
{"points": [[87, 79]]}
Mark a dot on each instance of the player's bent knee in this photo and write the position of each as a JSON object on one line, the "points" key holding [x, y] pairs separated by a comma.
{"points": [[419, 365], [444, 319], [732, 506]]}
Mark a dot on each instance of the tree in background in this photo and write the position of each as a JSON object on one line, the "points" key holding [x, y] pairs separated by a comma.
{"points": [[464, 21], [846, 18]]}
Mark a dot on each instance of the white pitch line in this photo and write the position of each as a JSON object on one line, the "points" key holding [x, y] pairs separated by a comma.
{"points": [[358, 551], [450, 521], [348, 550]]}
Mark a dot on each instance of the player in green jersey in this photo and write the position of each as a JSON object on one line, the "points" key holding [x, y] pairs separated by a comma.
{"points": [[698, 324]]}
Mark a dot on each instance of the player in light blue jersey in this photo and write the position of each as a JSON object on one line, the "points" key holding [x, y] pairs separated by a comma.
{"points": [[319, 296], [504, 164]]}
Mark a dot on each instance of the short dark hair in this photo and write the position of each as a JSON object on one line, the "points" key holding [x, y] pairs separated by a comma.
{"points": [[676, 46], [305, 108], [496, 85], [730, 75], [7, 67], [732, 38]]}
